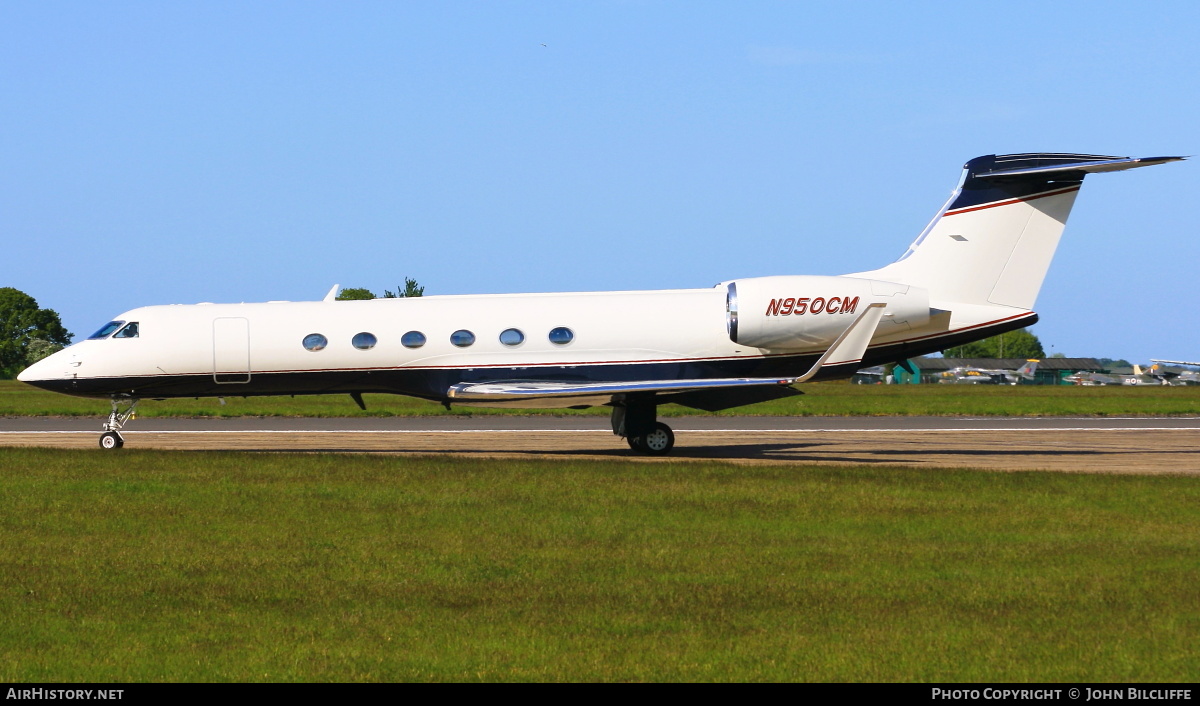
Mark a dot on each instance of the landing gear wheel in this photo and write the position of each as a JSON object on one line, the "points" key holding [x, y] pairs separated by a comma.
{"points": [[111, 438], [658, 442]]}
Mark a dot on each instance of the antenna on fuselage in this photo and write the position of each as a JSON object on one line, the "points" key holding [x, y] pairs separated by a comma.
{"points": [[332, 293]]}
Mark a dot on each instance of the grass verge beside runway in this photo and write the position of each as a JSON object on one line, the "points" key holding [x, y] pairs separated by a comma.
{"points": [[149, 566], [820, 399]]}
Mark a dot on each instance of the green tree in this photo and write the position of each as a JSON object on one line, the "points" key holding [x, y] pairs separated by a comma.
{"points": [[411, 289], [25, 329], [354, 294], [1013, 344], [40, 348]]}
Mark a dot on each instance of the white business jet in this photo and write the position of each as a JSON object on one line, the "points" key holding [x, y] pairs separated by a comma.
{"points": [[974, 272]]}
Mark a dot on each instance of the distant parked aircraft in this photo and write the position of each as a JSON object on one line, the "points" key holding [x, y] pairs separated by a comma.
{"points": [[965, 375], [1171, 377], [1155, 375], [1090, 379], [870, 376]]}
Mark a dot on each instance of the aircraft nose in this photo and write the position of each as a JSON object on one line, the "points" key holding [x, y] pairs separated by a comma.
{"points": [[52, 367], [40, 370], [31, 373]]}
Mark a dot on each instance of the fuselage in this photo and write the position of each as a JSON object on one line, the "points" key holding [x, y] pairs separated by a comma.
{"points": [[422, 346]]}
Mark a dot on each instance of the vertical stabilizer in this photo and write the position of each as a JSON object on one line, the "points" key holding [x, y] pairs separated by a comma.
{"points": [[993, 241]]}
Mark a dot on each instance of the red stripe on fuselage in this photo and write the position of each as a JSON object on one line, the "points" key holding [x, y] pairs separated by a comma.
{"points": [[1011, 201]]}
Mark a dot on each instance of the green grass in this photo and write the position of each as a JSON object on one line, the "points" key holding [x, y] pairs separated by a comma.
{"points": [[155, 566], [820, 399]]}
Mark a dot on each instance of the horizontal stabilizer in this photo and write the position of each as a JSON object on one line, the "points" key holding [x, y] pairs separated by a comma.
{"points": [[1065, 166]]}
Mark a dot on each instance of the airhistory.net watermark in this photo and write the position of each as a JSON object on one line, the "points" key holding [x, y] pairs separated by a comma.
{"points": [[38, 693]]}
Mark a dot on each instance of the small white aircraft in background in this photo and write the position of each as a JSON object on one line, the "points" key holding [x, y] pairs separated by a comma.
{"points": [[974, 272], [965, 375]]}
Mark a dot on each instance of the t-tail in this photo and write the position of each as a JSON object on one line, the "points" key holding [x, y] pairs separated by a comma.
{"points": [[992, 242]]}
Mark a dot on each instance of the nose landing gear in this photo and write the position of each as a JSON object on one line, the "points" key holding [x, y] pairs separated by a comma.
{"points": [[111, 438]]}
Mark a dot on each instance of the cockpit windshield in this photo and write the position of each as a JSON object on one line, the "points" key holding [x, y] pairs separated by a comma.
{"points": [[106, 330], [130, 331]]}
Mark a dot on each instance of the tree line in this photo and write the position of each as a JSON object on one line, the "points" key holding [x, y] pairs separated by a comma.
{"points": [[1011, 344], [410, 289], [28, 332]]}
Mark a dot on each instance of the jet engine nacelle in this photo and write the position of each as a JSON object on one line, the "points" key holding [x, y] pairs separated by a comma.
{"points": [[811, 312]]}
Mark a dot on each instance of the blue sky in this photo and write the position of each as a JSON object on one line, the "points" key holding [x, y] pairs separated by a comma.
{"points": [[158, 153]]}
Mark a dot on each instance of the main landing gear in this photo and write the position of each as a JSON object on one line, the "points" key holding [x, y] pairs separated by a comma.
{"points": [[111, 438], [634, 418]]}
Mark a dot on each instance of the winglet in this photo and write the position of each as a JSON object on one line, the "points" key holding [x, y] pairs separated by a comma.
{"points": [[851, 345], [332, 293]]}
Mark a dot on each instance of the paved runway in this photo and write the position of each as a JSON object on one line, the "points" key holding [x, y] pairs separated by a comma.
{"points": [[1149, 445], [456, 424]]}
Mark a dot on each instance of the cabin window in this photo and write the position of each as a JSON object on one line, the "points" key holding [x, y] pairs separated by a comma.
{"points": [[413, 339], [364, 341], [561, 336], [130, 331], [462, 338], [106, 330], [315, 342], [512, 337]]}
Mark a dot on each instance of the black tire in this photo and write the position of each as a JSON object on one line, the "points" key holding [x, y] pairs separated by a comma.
{"points": [[111, 440], [658, 442]]}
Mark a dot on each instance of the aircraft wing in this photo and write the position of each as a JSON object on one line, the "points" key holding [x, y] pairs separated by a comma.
{"points": [[559, 394]]}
